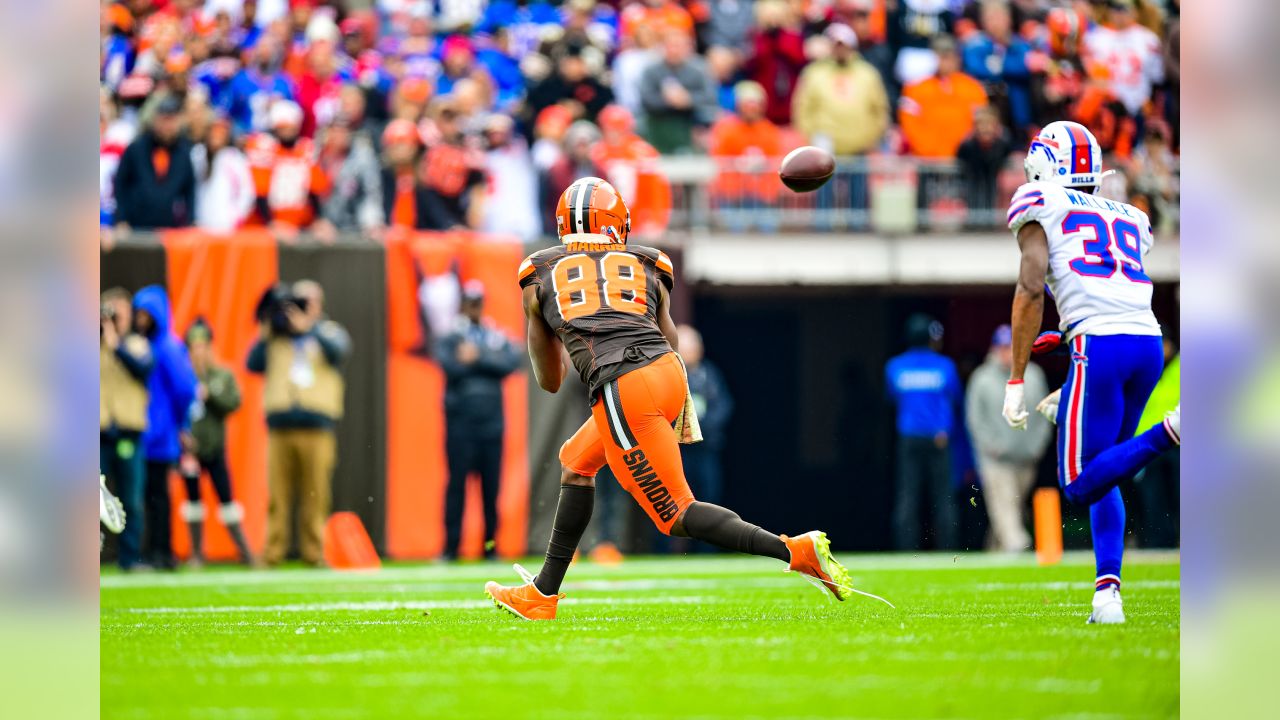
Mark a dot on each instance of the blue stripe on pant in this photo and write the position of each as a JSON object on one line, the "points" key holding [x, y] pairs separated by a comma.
{"points": [[1107, 387]]}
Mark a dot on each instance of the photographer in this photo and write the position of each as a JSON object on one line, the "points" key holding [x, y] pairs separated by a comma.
{"points": [[299, 352], [124, 365]]}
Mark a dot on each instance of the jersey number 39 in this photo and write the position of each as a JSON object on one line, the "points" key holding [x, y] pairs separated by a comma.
{"points": [[1099, 259], [583, 285]]}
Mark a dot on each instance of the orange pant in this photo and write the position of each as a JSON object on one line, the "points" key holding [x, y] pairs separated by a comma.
{"points": [[630, 428]]}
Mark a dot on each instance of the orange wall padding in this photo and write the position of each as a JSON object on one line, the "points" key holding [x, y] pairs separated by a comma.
{"points": [[416, 463], [222, 278]]}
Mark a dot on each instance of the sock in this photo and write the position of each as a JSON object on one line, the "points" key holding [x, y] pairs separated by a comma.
{"points": [[573, 512], [1115, 465], [1106, 522], [723, 528]]}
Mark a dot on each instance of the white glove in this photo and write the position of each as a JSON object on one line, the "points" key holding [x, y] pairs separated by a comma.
{"points": [[1015, 405], [1048, 407]]}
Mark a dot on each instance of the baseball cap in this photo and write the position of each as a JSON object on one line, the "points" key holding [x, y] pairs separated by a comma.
{"points": [[199, 331], [178, 62], [1120, 4], [169, 105], [473, 290], [1003, 336], [943, 44], [841, 33], [748, 91], [415, 90]]}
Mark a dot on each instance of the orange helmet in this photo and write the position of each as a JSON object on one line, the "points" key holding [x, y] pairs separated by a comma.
{"points": [[592, 207]]}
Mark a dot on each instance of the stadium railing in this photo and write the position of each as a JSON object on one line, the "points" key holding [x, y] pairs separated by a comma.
{"points": [[892, 195]]}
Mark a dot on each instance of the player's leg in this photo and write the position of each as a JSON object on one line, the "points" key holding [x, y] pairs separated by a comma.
{"points": [[581, 457], [1087, 482], [634, 416]]}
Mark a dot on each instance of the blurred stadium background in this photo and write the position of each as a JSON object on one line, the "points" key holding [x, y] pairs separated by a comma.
{"points": [[434, 137]]}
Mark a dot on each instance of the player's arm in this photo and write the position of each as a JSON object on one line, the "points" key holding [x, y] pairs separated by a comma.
{"points": [[1028, 313], [1028, 296], [544, 347], [665, 323]]}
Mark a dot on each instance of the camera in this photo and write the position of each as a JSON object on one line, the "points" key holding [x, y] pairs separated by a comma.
{"points": [[273, 309]]}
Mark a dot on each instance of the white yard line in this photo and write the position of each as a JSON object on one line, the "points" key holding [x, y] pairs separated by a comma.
{"points": [[683, 567]]}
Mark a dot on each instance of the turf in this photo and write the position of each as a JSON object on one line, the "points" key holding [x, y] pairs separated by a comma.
{"points": [[707, 637]]}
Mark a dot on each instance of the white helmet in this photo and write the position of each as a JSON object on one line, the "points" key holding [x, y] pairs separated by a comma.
{"points": [[1065, 153]]}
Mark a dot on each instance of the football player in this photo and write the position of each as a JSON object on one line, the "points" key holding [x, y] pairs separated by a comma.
{"points": [[1089, 252], [607, 302]]}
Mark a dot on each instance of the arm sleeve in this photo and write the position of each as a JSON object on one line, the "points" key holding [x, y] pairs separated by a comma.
{"points": [[446, 353], [498, 361], [666, 270], [257, 361], [1028, 204], [334, 341], [224, 396], [527, 274], [135, 354]]}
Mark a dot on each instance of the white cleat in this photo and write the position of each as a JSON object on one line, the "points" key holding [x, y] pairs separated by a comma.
{"points": [[1108, 608], [110, 511], [1173, 424]]}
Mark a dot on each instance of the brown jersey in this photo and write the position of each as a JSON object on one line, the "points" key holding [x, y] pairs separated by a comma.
{"points": [[602, 301]]}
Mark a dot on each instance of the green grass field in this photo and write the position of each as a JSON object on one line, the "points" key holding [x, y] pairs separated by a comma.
{"points": [[721, 637]]}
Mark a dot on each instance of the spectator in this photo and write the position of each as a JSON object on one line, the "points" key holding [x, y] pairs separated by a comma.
{"points": [[118, 54], [872, 44], [355, 202], [925, 388], [1131, 53], [1153, 171], [458, 61], [300, 353], [840, 102], [257, 86], [1007, 457], [224, 183], [630, 165], [714, 405], [453, 173], [548, 133], [911, 27], [475, 358], [725, 71], [577, 161], [571, 83], [155, 183], [124, 368], [493, 54], [777, 57], [666, 17], [409, 99], [730, 23], [629, 67], [171, 388], [217, 396], [404, 196], [287, 179], [511, 202], [936, 114], [983, 155], [747, 144], [678, 96], [1003, 62], [319, 87]]}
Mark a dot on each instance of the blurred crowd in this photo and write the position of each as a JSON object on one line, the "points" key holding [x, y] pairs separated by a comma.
{"points": [[356, 116]]}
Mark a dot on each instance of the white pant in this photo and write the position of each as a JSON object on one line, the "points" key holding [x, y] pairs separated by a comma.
{"points": [[1004, 487]]}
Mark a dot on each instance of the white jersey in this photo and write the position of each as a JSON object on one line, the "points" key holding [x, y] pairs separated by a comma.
{"points": [[1133, 60], [1096, 249]]}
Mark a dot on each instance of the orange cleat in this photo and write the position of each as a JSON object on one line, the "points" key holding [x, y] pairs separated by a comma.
{"points": [[811, 556], [524, 601], [606, 553]]}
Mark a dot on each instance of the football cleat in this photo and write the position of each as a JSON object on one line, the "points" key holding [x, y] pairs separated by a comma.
{"points": [[523, 601], [1108, 609], [811, 556], [1173, 424], [606, 553]]}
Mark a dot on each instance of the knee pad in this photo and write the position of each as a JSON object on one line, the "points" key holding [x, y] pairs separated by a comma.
{"points": [[192, 511], [231, 513]]}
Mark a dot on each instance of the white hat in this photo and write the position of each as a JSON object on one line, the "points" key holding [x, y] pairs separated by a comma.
{"points": [[843, 34], [285, 112]]}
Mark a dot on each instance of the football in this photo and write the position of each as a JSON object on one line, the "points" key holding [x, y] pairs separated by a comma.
{"points": [[806, 168]]}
